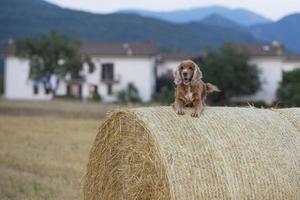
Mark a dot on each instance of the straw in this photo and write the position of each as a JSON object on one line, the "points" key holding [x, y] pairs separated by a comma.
{"points": [[226, 153]]}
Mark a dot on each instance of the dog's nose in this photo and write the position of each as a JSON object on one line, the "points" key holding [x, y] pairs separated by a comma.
{"points": [[184, 73]]}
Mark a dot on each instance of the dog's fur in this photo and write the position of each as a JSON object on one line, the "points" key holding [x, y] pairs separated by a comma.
{"points": [[190, 90]]}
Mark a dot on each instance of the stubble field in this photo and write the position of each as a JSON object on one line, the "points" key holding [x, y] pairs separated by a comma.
{"points": [[44, 147]]}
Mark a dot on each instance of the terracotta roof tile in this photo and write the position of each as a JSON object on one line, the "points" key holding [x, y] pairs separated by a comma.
{"points": [[261, 49], [180, 56], [126, 49]]}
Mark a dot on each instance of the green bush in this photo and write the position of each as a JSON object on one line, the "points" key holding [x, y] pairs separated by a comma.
{"points": [[1, 84], [165, 96], [231, 72], [165, 92], [96, 97], [164, 82], [129, 95], [288, 92], [67, 97]]}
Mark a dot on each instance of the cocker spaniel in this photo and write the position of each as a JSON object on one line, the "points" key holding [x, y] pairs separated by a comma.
{"points": [[191, 91]]}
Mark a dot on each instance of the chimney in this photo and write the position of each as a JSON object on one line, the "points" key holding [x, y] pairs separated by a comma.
{"points": [[278, 48], [126, 46]]}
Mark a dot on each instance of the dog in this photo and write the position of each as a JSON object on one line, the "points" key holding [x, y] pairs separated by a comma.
{"points": [[190, 89]]}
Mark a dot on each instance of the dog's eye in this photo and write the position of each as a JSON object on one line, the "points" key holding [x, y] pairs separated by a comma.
{"points": [[191, 68]]}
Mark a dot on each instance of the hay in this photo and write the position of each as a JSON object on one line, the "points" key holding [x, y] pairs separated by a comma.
{"points": [[293, 115], [227, 153]]}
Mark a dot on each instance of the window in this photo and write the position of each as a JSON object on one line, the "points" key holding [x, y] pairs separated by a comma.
{"points": [[68, 90], [35, 89], [107, 72], [47, 88], [109, 89], [91, 68]]}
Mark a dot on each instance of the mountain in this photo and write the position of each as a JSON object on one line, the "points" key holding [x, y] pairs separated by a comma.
{"points": [[240, 16], [23, 18], [218, 20], [218, 34], [286, 30]]}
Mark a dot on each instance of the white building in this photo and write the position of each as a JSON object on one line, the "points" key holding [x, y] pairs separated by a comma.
{"points": [[272, 60], [167, 63], [116, 65]]}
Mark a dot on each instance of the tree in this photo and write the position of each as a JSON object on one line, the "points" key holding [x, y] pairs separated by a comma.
{"points": [[232, 73], [52, 54], [289, 90]]}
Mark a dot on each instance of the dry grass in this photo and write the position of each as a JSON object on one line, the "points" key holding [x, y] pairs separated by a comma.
{"points": [[43, 158], [227, 153], [125, 163], [57, 108], [44, 148]]}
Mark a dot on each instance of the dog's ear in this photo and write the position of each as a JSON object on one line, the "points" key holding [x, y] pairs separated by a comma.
{"points": [[197, 76], [177, 77]]}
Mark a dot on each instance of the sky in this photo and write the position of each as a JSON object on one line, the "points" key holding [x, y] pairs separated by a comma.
{"points": [[273, 9]]}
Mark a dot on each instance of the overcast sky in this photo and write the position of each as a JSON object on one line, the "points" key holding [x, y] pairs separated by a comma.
{"points": [[273, 9]]}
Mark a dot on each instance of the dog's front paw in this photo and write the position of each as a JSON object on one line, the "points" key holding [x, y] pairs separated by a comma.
{"points": [[180, 112], [195, 114]]}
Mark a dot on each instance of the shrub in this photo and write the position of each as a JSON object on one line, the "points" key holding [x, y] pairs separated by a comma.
{"points": [[129, 95], [96, 97], [164, 90], [289, 90], [230, 71]]}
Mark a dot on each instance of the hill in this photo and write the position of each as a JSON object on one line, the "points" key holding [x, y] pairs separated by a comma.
{"points": [[23, 18], [240, 16], [218, 20], [286, 30]]}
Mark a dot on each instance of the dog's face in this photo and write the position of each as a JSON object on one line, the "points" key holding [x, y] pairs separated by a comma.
{"points": [[187, 72]]}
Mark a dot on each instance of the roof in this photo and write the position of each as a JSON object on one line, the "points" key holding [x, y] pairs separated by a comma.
{"points": [[261, 49], [180, 56], [125, 49], [293, 58], [122, 49], [9, 47]]}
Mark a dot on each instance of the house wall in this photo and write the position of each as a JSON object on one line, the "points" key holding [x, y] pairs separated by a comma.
{"points": [[271, 69], [271, 75], [136, 70], [17, 83], [62, 88], [290, 65], [167, 66]]}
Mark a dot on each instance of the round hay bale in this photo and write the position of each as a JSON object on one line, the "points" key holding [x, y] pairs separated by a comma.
{"points": [[292, 114], [226, 153]]}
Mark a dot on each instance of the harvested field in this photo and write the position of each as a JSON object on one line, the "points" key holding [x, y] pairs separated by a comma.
{"points": [[44, 148], [43, 158], [56, 108]]}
